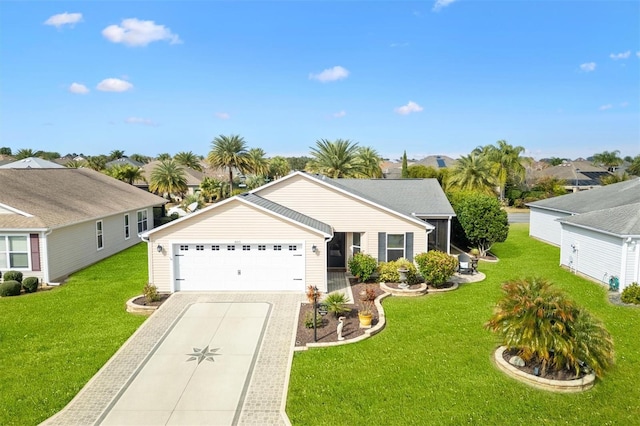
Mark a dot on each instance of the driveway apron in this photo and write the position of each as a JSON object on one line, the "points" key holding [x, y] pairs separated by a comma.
{"points": [[201, 359]]}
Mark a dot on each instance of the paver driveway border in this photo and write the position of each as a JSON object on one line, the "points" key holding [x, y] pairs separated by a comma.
{"points": [[265, 398]]}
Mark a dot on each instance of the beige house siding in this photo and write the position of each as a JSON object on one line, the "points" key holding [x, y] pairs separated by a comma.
{"points": [[74, 247], [233, 222], [344, 212]]}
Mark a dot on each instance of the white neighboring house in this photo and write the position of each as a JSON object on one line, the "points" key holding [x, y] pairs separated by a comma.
{"points": [[56, 221], [598, 231]]}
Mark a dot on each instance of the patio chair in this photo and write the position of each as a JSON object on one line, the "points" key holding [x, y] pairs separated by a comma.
{"points": [[465, 264]]}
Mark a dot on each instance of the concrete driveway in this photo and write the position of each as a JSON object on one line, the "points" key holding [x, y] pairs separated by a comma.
{"points": [[202, 358]]}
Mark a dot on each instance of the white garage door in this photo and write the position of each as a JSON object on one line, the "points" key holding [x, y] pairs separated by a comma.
{"points": [[239, 267]]}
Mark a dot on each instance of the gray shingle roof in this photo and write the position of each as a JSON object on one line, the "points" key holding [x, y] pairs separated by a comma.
{"points": [[622, 221], [59, 197], [604, 197], [406, 196], [288, 213]]}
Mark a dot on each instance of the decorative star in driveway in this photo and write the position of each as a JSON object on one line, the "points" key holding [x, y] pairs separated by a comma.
{"points": [[203, 354]]}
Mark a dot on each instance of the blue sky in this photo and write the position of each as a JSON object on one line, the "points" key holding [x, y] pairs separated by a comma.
{"points": [[561, 78]]}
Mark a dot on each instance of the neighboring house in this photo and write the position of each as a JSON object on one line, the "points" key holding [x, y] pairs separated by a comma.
{"points": [[576, 175], [56, 221], [194, 177], [598, 231], [438, 162], [32, 163], [285, 235], [123, 161]]}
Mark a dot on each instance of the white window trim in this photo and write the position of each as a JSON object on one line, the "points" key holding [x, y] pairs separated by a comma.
{"points": [[145, 221], [99, 233], [404, 245], [7, 252], [127, 226]]}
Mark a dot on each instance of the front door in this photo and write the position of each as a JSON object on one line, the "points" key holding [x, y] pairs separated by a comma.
{"points": [[336, 252]]}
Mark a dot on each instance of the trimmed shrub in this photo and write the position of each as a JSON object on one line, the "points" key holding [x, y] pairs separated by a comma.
{"points": [[13, 276], [10, 288], [336, 303], [30, 284], [436, 267], [150, 292], [631, 294], [308, 320], [362, 266], [388, 271]]}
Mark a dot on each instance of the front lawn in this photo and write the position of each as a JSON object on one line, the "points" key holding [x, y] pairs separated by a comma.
{"points": [[433, 362], [53, 342]]}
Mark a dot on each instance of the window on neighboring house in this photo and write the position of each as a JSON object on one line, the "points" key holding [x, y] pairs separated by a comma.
{"points": [[142, 221], [14, 252], [126, 226], [357, 242], [395, 246], [99, 237]]}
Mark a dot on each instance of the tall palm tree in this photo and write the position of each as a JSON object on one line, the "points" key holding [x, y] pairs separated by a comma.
{"points": [[607, 159], [278, 167], [507, 164], [188, 159], [116, 154], [168, 177], [335, 159], [472, 173], [126, 173], [25, 153], [369, 160], [97, 162], [256, 162], [229, 152], [163, 156]]}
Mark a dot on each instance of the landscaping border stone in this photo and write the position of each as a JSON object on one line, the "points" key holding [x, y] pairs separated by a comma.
{"points": [[405, 292]]}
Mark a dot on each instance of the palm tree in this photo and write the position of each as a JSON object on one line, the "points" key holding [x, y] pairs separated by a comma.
{"points": [[607, 159], [188, 159], [168, 177], [472, 173], [75, 164], [163, 156], [97, 162], [278, 167], [26, 153], [335, 159], [116, 154], [634, 168], [125, 173], [369, 160], [230, 152], [256, 162], [139, 158], [213, 188], [506, 163], [254, 181]]}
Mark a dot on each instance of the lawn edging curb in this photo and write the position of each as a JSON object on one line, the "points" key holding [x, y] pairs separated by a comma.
{"points": [[367, 333], [563, 386], [422, 290]]}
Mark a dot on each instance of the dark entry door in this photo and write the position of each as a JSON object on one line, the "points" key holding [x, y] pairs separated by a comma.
{"points": [[336, 252]]}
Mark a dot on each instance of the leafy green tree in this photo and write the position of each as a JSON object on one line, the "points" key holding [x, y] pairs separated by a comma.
{"points": [[369, 160], [49, 155], [607, 159], [257, 163], [126, 173], [337, 159], [278, 167], [554, 161], [168, 177], [26, 153], [140, 158], [163, 156], [506, 163], [254, 181], [188, 159], [5, 150], [472, 173], [634, 168], [544, 325], [97, 162], [550, 186], [614, 178], [405, 168], [115, 154], [482, 219], [298, 163], [419, 171], [229, 152]]}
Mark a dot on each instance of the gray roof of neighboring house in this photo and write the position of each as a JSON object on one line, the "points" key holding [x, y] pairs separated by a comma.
{"points": [[124, 160], [600, 198], [582, 173], [406, 196], [31, 163], [437, 161], [60, 197], [288, 213], [622, 221]]}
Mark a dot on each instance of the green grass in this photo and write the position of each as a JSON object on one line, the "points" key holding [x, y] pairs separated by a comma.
{"points": [[53, 342], [433, 362]]}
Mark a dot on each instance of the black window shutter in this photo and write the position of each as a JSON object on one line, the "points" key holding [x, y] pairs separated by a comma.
{"points": [[408, 238], [382, 246]]}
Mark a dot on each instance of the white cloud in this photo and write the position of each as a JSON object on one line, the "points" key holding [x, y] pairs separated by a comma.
{"points": [[439, 4], [223, 115], [623, 55], [409, 108], [78, 89], [624, 104], [330, 74], [605, 107], [138, 120], [339, 114], [64, 19], [134, 32], [405, 44], [114, 85], [587, 67]]}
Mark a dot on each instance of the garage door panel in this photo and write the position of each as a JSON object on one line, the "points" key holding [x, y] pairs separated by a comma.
{"points": [[239, 267]]}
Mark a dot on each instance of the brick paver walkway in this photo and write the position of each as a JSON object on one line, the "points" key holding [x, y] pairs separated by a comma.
{"points": [[266, 395]]}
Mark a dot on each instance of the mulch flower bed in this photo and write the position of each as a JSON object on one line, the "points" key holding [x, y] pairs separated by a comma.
{"points": [[143, 302], [551, 373], [327, 332]]}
